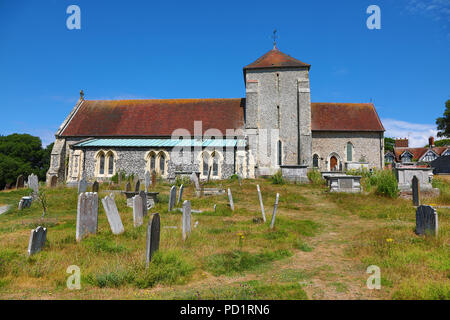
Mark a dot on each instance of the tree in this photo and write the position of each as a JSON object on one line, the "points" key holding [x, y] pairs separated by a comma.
{"points": [[389, 144], [443, 123]]}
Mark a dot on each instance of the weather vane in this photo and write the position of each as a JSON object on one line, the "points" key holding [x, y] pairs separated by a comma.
{"points": [[274, 38]]}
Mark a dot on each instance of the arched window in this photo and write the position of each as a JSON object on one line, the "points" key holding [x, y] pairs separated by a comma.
{"points": [[349, 151], [111, 164], [152, 162], [279, 152], [315, 161], [162, 164], [105, 163], [101, 169]]}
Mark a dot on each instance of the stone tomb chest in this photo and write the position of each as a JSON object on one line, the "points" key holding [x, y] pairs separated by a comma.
{"points": [[344, 183]]}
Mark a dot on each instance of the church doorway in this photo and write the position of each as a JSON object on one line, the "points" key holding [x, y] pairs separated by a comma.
{"points": [[333, 163]]}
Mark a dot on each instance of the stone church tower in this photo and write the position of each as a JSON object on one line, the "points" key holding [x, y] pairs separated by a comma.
{"points": [[278, 111]]}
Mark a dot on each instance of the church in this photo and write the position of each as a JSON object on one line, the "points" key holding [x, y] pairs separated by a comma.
{"points": [[274, 126]]}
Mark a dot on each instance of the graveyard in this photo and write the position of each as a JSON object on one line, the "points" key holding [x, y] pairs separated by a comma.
{"points": [[221, 246]]}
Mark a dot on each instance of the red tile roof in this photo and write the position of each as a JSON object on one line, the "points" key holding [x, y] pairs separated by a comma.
{"points": [[160, 117], [154, 117], [276, 59], [344, 117], [417, 153]]}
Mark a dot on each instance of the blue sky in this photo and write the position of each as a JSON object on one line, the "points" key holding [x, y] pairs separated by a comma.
{"points": [[196, 49]]}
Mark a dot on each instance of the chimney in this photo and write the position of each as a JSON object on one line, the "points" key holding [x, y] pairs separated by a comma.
{"points": [[431, 142], [401, 143]]}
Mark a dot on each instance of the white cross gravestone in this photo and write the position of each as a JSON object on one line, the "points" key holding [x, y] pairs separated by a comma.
{"points": [[180, 194], [272, 223], [186, 220], [37, 240], [87, 214], [138, 216], [426, 221], [172, 197], [153, 234], [230, 198], [113, 215], [261, 203], [147, 179]]}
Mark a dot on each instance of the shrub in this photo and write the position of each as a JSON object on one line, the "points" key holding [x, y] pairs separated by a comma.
{"points": [[315, 177], [277, 178], [383, 181]]}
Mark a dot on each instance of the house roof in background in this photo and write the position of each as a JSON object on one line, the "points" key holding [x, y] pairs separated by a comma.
{"points": [[417, 153]]}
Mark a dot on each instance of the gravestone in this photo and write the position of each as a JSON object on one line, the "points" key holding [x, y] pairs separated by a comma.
{"points": [[20, 182], [128, 187], [113, 215], [180, 194], [87, 214], [82, 185], [138, 217], [143, 195], [186, 220], [426, 221], [153, 179], [137, 186], [272, 223], [239, 179], [25, 202], [415, 191], [261, 203], [33, 183], [194, 179], [95, 186], [172, 197], [147, 180], [153, 233], [37, 240], [53, 181], [230, 198], [209, 173]]}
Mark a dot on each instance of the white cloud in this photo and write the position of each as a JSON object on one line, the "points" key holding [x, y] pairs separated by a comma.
{"points": [[418, 134]]}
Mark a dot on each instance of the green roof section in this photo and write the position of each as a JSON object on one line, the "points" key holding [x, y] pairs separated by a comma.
{"points": [[146, 143]]}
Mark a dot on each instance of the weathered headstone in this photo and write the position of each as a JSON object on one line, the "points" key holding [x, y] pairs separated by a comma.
{"points": [[153, 179], [128, 187], [113, 215], [143, 195], [148, 180], [180, 194], [33, 183], [19, 182], [272, 223], [209, 173], [415, 191], [95, 186], [82, 185], [426, 221], [37, 240], [153, 233], [230, 198], [172, 197], [186, 220], [25, 202], [261, 203], [87, 214], [137, 186], [194, 180], [53, 181], [138, 216]]}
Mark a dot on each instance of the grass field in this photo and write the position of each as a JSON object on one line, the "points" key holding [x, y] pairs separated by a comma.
{"points": [[320, 248]]}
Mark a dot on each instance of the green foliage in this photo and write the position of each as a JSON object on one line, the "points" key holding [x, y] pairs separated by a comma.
{"points": [[277, 178], [443, 123], [383, 182], [440, 143], [389, 144], [301, 245], [182, 181], [22, 154], [315, 177]]}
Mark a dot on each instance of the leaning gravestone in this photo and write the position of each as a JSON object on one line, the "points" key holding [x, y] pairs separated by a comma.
{"points": [[194, 180], [82, 185], [95, 186], [87, 214], [172, 197], [37, 240], [138, 216], [272, 223], [113, 215], [230, 198], [186, 220], [143, 195], [153, 233], [20, 182], [415, 191], [180, 194], [137, 186], [128, 187], [261, 203], [426, 221], [147, 179]]}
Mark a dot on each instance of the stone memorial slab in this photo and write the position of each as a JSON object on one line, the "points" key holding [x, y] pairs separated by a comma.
{"points": [[186, 220], [426, 221], [37, 240], [33, 183], [87, 214], [113, 215], [230, 198], [25, 202], [153, 234], [172, 197], [138, 205], [261, 203], [143, 195], [194, 179], [272, 223], [180, 194], [95, 186], [20, 182], [415, 191], [147, 180]]}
